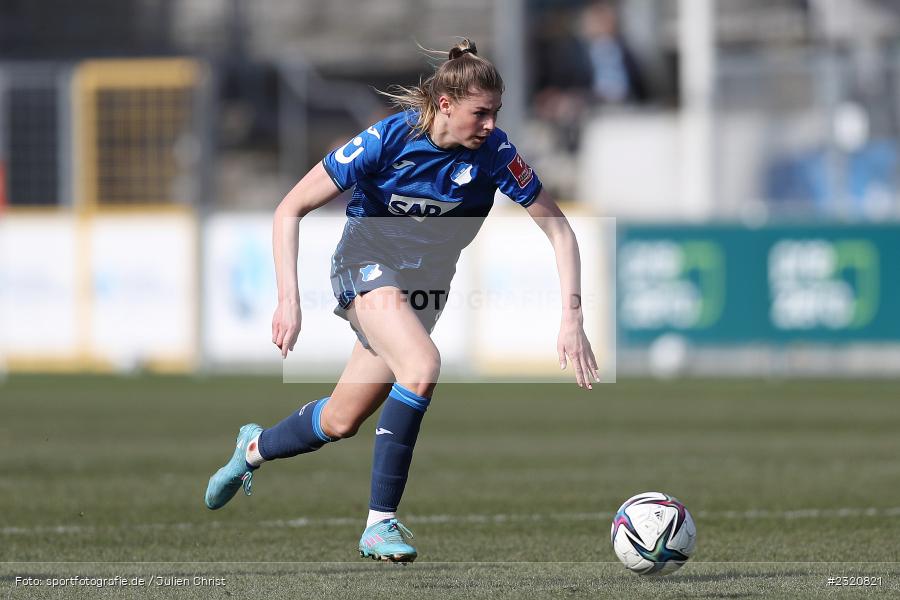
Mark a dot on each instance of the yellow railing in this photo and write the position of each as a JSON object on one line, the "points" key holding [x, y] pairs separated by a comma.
{"points": [[134, 135]]}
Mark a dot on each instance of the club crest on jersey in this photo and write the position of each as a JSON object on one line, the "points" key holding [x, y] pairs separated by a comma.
{"points": [[520, 170], [371, 272], [462, 174], [419, 208]]}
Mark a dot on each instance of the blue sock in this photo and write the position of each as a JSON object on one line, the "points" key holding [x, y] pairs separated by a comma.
{"points": [[298, 433], [395, 438]]}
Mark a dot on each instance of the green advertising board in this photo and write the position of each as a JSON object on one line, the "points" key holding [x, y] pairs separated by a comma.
{"points": [[730, 284]]}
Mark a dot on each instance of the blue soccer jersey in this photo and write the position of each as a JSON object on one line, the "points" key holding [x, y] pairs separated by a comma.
{"points": [[406, 187]]}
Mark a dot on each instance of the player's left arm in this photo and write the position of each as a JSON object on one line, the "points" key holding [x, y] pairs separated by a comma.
{"points": [[572, 343]]}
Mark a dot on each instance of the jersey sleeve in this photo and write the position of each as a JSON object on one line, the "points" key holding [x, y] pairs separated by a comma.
{"points": [[357, 158], [514, 177]]}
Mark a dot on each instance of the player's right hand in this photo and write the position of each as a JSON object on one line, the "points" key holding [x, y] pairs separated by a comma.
{"points": [[286, 325]]}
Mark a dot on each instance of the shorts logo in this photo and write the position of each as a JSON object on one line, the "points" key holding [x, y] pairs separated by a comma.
{"points": [[371, 272], [520, 170]]}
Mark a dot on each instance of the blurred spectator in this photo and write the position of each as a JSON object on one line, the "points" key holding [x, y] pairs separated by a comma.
{"points": [[858, 184], [582, 62], [614, 75]]}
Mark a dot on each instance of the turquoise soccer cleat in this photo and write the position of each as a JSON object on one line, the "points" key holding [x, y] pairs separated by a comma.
{"points": [[386, 540], [228, 480]]}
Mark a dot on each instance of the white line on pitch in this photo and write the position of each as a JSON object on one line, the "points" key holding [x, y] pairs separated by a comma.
{"points": [[751, 514]]}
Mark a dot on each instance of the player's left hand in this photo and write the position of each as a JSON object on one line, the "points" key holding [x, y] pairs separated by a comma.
{"points": [[573, 345]]}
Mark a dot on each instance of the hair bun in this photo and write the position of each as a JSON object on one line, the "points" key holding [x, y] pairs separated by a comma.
{"points": [[464, 47]]}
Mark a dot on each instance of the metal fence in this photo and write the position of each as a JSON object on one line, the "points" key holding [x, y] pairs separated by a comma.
{"points": [[35, 121], [104, 133]]}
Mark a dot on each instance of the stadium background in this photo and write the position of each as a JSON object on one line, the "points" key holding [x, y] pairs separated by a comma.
{"points": [[747, 151], [732, 169]]}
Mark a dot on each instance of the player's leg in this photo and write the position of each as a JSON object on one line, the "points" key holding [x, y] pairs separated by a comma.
{"points": [[361, 390], [396, 334], [394, 331]]}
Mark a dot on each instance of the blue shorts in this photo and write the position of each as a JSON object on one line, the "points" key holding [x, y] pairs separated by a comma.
{"points": [[426, 291]]}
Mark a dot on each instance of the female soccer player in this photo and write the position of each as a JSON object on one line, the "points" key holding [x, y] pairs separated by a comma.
{"points": [[441, 157]]}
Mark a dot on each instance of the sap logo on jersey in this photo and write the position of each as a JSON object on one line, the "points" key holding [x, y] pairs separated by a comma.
{"points": [[462, 174], [419, 208]]}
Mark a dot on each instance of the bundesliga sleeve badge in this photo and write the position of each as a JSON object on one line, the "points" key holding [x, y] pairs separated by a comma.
{"points": [[520, 170]]}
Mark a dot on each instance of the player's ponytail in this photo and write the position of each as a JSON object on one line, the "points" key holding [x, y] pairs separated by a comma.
{"points": [[464, 47], [463, 73]]}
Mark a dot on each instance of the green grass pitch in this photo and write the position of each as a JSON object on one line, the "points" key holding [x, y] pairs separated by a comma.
{"points": [[510, 496]]}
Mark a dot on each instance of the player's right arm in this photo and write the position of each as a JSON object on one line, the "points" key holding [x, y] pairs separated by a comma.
{"points": [[314, 190], [338, 171]]}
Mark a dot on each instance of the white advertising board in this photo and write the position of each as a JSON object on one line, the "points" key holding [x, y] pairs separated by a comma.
{"points": [[240, 296], [39, 291], [517, 300], [238, 288], [501, 319], [143, 290]]}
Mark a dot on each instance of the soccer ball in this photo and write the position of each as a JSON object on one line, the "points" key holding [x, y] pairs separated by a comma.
{"points": [[653, 534]]}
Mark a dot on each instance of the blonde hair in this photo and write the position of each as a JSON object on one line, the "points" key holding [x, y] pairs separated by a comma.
{"points": [[456, 78]]}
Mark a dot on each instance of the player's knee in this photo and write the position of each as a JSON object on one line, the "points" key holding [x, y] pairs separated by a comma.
{"points": [[340, 426], [421, 373]]}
